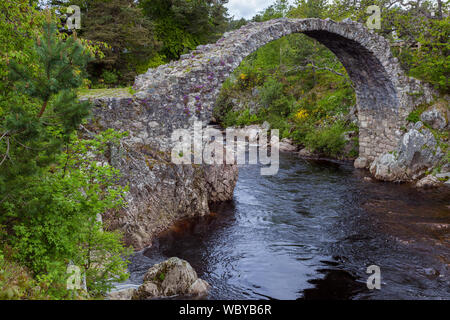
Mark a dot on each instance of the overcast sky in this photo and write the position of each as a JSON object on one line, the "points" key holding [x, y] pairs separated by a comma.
{"points": [[247, 8]]}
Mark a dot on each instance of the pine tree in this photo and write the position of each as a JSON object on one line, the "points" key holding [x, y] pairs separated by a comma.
{"points": [[45, 112]]}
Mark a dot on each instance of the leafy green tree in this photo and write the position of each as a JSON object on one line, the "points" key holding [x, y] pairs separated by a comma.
{"points": [[120, 33], [279, 9], [129, 34], [52, 185], [182, 25]]}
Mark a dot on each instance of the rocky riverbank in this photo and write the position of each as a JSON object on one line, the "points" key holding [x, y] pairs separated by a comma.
{"points": [[422, 155]]}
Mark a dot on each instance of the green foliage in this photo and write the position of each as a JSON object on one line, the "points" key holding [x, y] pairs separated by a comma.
{"points": [[432, 61], [328, 140], [245, 118], [129, 36], [110, 77], [182, 25], [53, 184], [271, 92], [414, 116], [43, 109], [16, 282]]}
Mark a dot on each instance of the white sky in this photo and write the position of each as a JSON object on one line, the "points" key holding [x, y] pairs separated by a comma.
{"points": [[247, 8]]}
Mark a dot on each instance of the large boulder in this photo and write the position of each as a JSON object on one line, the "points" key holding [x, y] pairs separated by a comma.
{"points": [[287, 145], [171, 278], [124, 294], [436, 116], [429, 181], [417, 152], [361, 163]]}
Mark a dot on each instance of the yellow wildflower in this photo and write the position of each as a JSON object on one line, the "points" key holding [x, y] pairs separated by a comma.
{"points": [[301, 114]]}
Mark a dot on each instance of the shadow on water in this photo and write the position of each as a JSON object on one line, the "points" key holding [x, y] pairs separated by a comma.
{"points": [[310, 232]]}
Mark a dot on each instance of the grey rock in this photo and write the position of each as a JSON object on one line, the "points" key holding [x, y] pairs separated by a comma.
{"points": [[445, 167], [429, 181], [387, 168], [125, 294], [416, 153], [199, 288], [361, 163], [443, 175], [436, 117], [305, 153], [171, 278], [286, 145]]}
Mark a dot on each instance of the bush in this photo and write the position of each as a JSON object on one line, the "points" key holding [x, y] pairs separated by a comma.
{"points": [[270, 92], [57, 220], [110, 77], [245, 118], [414, 116], [16, 282], [327, 140]]}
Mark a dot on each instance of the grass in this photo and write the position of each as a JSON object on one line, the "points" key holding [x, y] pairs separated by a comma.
{"points": [[126, 92]]}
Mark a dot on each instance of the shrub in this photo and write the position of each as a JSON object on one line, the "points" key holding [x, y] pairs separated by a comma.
{"points": [[327, 140], [245, 118], [110, 77], [270, 92]]}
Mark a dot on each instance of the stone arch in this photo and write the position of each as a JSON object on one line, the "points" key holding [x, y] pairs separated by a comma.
{"points": [[172, 96]]}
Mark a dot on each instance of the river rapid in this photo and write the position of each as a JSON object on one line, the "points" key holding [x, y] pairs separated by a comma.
{"points": [[310, 232]]}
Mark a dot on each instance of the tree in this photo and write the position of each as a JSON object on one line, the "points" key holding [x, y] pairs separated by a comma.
{"points": [[182, 25], [122, 25], [51, 185], [33, 131]]}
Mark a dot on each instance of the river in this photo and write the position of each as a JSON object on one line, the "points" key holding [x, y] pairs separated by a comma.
{"points": [[310, 232]]}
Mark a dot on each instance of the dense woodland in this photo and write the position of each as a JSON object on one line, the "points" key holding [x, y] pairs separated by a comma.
{"points": [[51, 193]]}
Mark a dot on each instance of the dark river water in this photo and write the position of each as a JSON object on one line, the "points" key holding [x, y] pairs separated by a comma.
{"points": [[310, 232]]}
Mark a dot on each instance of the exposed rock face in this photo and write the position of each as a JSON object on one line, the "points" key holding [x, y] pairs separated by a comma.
{"points": [[169, 278], [160, 192], [417, 152], [436, 116]]}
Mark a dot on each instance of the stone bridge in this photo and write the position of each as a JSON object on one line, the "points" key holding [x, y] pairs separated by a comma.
{"points": [[172, 96]]}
